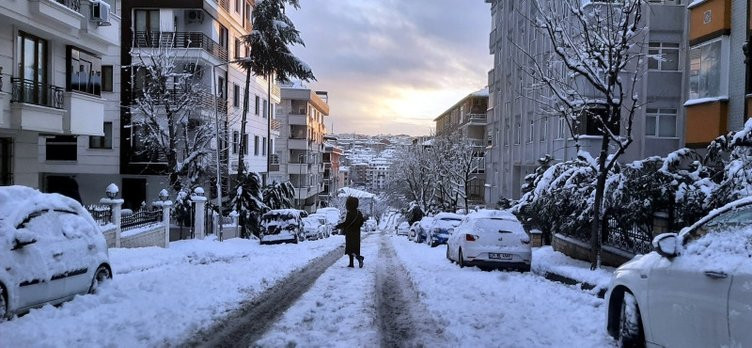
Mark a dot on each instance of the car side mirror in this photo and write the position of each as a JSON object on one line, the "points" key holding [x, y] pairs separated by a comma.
{"points": [[666, 244]]}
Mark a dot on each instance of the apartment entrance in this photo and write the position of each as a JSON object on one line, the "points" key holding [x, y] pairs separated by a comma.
{"points": [[6, 177], [134, 193]]}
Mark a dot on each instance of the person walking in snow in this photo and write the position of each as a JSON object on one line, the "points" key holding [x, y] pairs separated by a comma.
{"points": [[351, 229]]}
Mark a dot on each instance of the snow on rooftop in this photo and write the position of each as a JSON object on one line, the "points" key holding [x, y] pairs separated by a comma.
{"points": [[351, 192]]}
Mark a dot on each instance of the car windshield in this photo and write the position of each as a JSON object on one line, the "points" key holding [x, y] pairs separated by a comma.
{"points": [[497, 225]]}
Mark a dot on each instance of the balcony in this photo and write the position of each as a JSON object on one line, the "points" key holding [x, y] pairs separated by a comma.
{"points": [[225, 4], [297, 144], [85, 114], [276, 125], [274, 163], [276, 92], [475, 119], [188, 40], [36, 106], [66, 12]]}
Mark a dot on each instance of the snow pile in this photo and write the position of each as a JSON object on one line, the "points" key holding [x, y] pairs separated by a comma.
{"points": [[160, 297], [546, 260], [484, 309]]}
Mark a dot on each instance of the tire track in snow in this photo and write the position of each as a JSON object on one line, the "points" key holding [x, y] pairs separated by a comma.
{"points": [[404, 321]]}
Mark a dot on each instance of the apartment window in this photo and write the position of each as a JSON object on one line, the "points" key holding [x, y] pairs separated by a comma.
{"points": [[563, 128], [103, 142], [62, 148], [221, 86], [507, 132], [248, 14], [266, 108], [84, 71], [544, 128], [235, 95], [263, 147], [107, 82], [32, 68], [224, 37], [256, 145], [517, 130], [705, 70], [531, 130], [663, 56], [237, 6], [591, 121], [235, 141], [660, 123], [237, 48], [146, 21], [258, 101], [245, 144]]}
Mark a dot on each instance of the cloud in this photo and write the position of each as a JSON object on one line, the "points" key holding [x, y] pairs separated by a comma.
{"points": [[392, 66]]}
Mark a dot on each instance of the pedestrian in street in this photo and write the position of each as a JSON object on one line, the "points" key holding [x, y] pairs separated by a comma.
{"points": [[351, 229]]}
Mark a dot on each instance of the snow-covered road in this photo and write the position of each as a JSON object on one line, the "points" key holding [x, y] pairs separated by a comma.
{"points": [[161, 297]]}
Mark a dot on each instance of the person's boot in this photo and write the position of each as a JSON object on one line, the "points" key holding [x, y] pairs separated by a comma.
{"points": [[360, 261], [351, 261]]}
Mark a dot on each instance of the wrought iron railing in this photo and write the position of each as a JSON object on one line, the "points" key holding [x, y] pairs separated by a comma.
{"points": [[30, 92], [102, 213], [152, 39], [74, 5], [141, 218], [633, 240]]}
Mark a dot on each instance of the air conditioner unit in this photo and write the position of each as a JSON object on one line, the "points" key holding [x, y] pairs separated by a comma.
{"points": [[100, 12], [194, 16]]}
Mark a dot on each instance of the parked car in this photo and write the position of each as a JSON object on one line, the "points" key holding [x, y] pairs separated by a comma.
{"points": [[423, 227], [442, 226], [490, 239], [50, 250], [370, 225], [333, 217], [322, 220], [314, 229], [693, 290], [413, 233], [283, 226], [403, 228]]}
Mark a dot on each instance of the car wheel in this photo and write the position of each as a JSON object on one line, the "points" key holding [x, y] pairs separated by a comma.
{"points": [[630, 323], [460, 259], [100, 276]]}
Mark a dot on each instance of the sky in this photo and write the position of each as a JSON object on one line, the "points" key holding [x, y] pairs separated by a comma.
{"points": [[392, 66]]}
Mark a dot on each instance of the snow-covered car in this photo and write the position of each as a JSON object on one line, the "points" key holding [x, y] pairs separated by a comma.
{"points": [[50, 250], [413, 233], [370, 225], [283, 226], [313, 228], [693, 290], [442, 226], [322, 220], [333, 217], [422, 229], [403, 228], [490, 239]]}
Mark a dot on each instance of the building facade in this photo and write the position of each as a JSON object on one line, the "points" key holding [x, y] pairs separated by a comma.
{"points": [[206, 38], [333, 178], [468, 118], [59, 95], [520, 132], [300, 147]]}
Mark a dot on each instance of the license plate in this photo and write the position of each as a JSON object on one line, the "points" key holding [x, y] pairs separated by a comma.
{"points": [[498, 256]]}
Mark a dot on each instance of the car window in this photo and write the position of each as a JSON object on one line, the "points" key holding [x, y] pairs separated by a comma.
{"points": [[730, 221]]}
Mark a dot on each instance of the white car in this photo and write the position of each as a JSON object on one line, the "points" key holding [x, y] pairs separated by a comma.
{"points": [[313, 228], [370, 225], [442, 226], [283, 226], [422, 229], [322, 220], [403, 228], [50, 250], [333, 217], [490, 239], [694, 290]]}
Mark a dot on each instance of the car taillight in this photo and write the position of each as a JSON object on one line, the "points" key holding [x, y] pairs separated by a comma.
{"points": [[525, 241], [470, 237]]}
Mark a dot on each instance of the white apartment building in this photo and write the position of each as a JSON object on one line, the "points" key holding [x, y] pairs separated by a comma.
{"points": [[59, 95], [207, 33], [300, 147]]}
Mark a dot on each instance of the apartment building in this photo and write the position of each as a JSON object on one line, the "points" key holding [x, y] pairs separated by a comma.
{"points": [[718, 79], [468, 118], [59, 95], [206, 38], [333, 178], [300, 147], [520, 131]]}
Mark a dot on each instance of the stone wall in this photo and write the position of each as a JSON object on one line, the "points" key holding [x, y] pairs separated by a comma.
{"points": [[151, 237], [581, 251]]}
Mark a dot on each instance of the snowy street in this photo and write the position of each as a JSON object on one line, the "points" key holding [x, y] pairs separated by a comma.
{"points": [[208, 293]]}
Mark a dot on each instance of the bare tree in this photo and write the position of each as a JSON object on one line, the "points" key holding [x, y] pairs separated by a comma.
{"points": [[168, 122], [592, 68], [462, 166], [413, 176]]}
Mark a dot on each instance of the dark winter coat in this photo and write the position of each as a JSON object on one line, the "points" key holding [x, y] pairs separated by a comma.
{"points": [[351, 229]]}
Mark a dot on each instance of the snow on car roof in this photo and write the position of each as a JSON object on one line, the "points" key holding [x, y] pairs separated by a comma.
{"points": [[448, 216], [490, 213], [17, 202], [735, 204]]}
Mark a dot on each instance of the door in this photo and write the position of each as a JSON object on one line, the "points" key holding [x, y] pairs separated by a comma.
{"points": [[688, 296], [32, 69], [134, 193]]}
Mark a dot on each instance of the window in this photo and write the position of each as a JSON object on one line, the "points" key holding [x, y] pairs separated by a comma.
{"points": [[591, 121], [258, 101], [235, 140], [221, 88], [563, 128], [663, 56], [263, 147], [104, 142], [255, 145], [248, 14], [245, 143], [224, 37], [544, 128], [84, 72], [62, 148], [660, 123], [507, 134], [705, 70], [237, 6], [517, 130], [266, 108], [107, 81], [237, 48], [146, 21], [531, 130], [32, 68], [235, 95]]}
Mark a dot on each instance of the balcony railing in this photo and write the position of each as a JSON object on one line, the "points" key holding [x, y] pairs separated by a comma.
{"points": [[30, 92], [276, 125], [476, 118], [274, 159], [153, 39], [225, 4], [74, 5], [206, 100]]}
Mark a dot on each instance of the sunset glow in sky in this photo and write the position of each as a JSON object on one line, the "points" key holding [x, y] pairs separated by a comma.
{"points": [[392, 66]]}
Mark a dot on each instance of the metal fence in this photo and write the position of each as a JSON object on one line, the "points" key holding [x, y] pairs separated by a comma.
{"points": [[155, 39], [32, 92], [102, 213], [141, 218]]}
